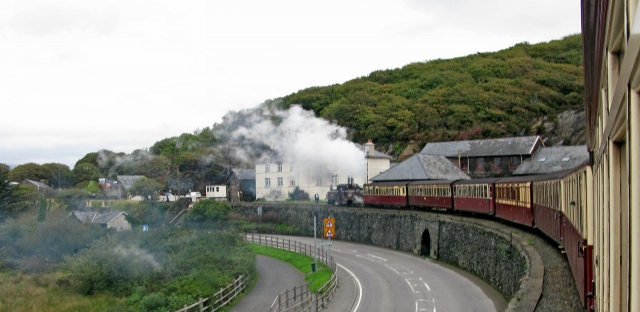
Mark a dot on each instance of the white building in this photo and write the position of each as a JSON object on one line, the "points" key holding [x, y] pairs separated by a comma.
{"points": [[275, 179], [217, 192]]}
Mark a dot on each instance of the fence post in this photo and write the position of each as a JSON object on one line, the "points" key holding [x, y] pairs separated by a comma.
{"points": [[201, 304], [286, 296]]}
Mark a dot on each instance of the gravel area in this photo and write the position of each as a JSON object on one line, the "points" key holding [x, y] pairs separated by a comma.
{"points": [[559, 291]]}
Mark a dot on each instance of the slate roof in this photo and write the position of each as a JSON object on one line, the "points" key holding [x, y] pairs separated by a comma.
{"points": [[127, 180], [39, 185], [483, 148], [97, 217], [554, 159], [422, 167], [245, 174]]}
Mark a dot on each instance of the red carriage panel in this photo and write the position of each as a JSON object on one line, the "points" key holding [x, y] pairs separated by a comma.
{"points": [[475, 196], [549, 221], [580, 259], [515, 213], [385, 194], [430, 201], [479, 205], [385, 200], [430, 193]]}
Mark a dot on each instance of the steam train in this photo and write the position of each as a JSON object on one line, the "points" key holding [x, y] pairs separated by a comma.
{"points": [[557, 204], [345, 194]]}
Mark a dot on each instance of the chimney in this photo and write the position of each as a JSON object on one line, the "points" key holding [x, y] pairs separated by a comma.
{"points": [[369, 148]]}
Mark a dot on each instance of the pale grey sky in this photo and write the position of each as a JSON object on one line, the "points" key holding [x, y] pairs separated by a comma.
{"points": [[77, 76]]}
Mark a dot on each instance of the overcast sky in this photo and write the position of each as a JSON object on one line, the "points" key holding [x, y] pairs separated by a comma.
{"points": [[77, 76]]}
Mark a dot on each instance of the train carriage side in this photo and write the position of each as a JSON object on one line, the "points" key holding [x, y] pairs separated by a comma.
{"points": [[513, 199], [430, 194], [392, 194], [578, 233], [475, 195], [547, 205]]}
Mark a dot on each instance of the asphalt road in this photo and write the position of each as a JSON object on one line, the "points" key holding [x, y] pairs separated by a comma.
{"points": [[274, 277], [379, 279]]}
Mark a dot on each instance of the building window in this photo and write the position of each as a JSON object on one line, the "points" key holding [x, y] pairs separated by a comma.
{"points": [[279, 167], [280, 182], [464, 164], [334, 180], [480, 164], [496, 163], [515, 161], [267, 182], [217, 189], [267, 168], [292, 181]]}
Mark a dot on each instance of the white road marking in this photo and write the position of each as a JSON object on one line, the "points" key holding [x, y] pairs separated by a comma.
{"points": [[416, 305], [425, 284], [355, 308], [412, 289], [371, 258], [383, 259], [400, 270]]}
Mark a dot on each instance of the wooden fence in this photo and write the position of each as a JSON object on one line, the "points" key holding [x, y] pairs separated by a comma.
{"points": [[221, 298], [300, 298]]}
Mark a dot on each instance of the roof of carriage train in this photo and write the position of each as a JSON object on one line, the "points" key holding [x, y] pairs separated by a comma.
{"points": [[477, 181], [554, 159], [488, 147], [433, 182], [422, 167]]}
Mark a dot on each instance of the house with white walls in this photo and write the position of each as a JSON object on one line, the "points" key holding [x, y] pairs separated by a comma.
{"points": [[276, 178]]}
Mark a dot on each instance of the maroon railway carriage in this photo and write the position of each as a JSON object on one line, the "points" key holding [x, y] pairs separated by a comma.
{"points": [[430, 193], [475, 195], [386, 194], [547, 205], [513, 199]]}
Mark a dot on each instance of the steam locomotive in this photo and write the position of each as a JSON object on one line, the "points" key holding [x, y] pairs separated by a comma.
{"points": [[345, 194]]}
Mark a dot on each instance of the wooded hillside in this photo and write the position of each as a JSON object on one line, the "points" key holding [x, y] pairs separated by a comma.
{"points": [[486, 95]]}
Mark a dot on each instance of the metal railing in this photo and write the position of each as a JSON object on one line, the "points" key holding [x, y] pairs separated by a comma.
{"points": [[221, 298], [300, 298]]}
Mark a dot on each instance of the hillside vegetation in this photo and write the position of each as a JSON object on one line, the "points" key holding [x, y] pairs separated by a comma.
{"points": [[485, 95]]}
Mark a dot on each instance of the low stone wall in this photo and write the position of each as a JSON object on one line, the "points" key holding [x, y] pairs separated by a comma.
{"points": [[476, 246], [484, 253]]}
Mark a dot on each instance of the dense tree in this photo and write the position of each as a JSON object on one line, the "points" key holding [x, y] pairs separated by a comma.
{"points": [[4, 168], [86, 172], [31, 171], [62, 175], [147, 188], [90, 158]]}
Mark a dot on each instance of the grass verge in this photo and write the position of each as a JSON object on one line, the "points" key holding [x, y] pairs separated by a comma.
{"points": [[300, 262]]}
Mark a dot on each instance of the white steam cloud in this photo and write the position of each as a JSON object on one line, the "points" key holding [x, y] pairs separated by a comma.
{"points": [[300, 137]]}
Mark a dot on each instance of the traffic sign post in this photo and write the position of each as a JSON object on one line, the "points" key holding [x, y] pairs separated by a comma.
{"points": [[329, 231]]}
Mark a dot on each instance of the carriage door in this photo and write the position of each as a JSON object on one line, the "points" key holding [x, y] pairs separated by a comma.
{"points": [[492, 200]]}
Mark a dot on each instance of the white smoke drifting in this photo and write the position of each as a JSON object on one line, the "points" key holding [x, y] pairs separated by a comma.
{"points": [[300, 137]]}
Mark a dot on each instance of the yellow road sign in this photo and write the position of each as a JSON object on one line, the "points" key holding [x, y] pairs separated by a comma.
{"points": [[329, 227]]}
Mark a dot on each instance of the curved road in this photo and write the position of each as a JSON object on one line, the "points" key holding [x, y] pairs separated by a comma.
{"points": [[274, 277], [396, 281]]}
